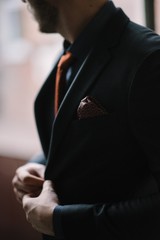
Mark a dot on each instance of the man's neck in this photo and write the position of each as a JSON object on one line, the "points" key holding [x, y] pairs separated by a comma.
{"points": [[74, 18]]}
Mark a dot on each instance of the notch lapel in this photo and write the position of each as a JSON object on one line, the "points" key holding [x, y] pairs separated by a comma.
{"points": [[87, 75], [92, 66]]}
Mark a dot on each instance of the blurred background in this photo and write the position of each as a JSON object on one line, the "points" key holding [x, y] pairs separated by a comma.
{"points": [[26, 57]]}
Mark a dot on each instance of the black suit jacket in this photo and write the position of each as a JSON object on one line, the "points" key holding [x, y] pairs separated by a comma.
{"points": [[106, 169]]}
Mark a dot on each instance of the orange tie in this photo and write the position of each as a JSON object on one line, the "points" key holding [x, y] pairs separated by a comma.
{"points": [[60, 83]]}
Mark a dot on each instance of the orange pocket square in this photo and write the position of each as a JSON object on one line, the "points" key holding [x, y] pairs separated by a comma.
{"points": [[90, 107]]}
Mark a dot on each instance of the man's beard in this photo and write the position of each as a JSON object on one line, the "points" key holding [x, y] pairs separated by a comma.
{"points": [[45, 14]]}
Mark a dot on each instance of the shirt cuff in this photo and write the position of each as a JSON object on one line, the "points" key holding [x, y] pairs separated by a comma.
{"points": [[57, 223]]}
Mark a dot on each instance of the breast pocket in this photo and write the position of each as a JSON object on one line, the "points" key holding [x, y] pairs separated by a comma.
{"points": [[96, 128]]}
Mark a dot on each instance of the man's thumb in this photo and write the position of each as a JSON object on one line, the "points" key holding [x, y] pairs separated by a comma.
{"points": [[48, 185]]}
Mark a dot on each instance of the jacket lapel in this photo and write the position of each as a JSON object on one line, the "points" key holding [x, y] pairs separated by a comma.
{"points": [[86, 76], [92, 66]]}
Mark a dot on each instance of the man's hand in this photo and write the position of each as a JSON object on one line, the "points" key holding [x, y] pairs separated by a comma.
{"points": [[39, 210], [28, 179]]}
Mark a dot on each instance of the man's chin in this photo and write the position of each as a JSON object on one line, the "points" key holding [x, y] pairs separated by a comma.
{"points": [[42, 29]]}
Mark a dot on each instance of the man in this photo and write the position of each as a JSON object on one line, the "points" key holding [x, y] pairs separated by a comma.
{"points": [[99, 177]]}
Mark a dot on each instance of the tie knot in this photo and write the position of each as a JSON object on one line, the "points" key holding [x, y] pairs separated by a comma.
{"points": [[65, 60]]}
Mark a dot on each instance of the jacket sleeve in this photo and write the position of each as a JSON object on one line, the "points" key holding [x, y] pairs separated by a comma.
{"points": [[136, 219], [133, 219]]}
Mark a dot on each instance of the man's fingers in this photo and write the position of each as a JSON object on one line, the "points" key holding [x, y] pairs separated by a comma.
{"points": [[48, 186], [26, 188], [19, 195], [26, 197], [26, 201], [30, 179], [48, 192]]}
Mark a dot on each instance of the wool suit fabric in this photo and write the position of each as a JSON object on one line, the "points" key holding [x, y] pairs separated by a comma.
{"points": [[106, 169]]}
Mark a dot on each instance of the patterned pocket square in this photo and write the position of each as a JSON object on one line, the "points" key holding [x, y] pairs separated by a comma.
{"points": [[90, 107]]}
